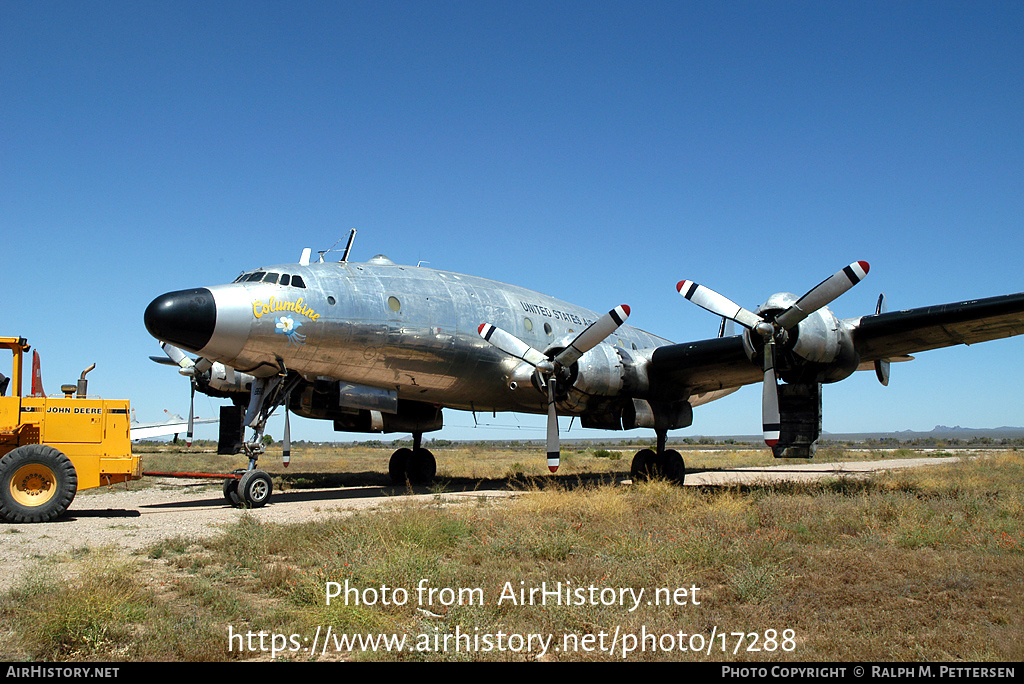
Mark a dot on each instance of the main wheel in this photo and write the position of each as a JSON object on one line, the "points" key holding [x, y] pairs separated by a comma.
{"points": [[671, 466], [254, 488], [644, 465], [422, 467], [37, 484], [398, 466]]}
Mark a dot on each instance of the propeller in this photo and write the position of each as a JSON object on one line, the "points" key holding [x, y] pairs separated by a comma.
{"points": [[286, 452], [191, 414], [773, 331], [551, 368], [190, 368]]}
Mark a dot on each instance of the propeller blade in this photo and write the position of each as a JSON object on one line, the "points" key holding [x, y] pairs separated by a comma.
{"points": [[512, 345], [177, 356], [720, 305], [882, 365], [595, 333], [554, 456], [191, 413], [823, 293], [286, 456], [771, 421]]}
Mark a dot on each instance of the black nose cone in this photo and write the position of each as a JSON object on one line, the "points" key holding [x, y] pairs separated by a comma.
{"points": [[185, 318]]}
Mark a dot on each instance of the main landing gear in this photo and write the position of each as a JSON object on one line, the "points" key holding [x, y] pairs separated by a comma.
{"points": [[663, 463], [413, 466]]}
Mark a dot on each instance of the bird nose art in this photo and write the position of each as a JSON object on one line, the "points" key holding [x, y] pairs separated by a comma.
{"points": [[186, 318]]}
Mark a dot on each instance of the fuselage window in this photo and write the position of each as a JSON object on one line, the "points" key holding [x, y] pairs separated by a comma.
{"points": [[548, 330], [394, 304], [528, 324]]}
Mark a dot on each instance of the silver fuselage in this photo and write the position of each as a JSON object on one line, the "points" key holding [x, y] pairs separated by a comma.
{"points": [[409, 329]]}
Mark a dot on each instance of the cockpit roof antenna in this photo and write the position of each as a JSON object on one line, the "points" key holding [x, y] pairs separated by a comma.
{"points": [[348, 247]]}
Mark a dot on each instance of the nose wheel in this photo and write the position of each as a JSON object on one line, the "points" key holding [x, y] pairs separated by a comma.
{"points": [[254, 488], [251, 490]]}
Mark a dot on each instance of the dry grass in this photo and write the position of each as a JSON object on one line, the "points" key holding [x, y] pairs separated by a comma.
{"points": [[337, 465], [915, 566]]}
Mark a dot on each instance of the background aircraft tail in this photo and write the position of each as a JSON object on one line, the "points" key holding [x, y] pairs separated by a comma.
{"points": [[37, 377]]}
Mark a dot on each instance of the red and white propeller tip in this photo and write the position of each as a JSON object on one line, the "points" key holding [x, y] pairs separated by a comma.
{"points": [[718, 304], [771, 420], [553, 448], [823, 294], [595, 333], [513, 346]]}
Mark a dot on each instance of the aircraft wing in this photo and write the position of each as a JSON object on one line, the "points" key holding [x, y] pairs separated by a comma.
{"points": [[903, 332], [150, 430], [697, 367], [719, 363]]}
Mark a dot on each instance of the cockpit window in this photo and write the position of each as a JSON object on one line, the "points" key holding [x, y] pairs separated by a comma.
{"points": [[271, 278]]}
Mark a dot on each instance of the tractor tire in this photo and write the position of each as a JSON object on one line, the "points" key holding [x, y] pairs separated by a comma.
{"points": [[37, 484]]}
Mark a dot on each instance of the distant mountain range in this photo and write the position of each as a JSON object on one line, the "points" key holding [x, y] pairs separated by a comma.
{"points": [[938, 432]]}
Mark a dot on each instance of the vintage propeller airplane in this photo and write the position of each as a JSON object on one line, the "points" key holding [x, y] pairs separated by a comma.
{"points": [[380, 347]]}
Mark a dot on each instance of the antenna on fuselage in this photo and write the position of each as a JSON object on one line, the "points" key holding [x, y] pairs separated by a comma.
{"points": [[348, 247]]}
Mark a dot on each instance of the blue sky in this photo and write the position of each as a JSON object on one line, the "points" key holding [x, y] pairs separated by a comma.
{"points": [[596, 151]]}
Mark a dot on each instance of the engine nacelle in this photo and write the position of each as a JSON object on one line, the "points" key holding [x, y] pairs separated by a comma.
{"points": [[599, 372], [605, 372], [330, 400], [659, 415], [819, 349], [226, 379]]}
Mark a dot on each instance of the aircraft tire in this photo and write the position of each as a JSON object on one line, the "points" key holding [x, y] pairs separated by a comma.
{"points": [[422, 467], [671, 466], [398, 466], [37, 484], [231, 491], [644, 465], [254, 489]]}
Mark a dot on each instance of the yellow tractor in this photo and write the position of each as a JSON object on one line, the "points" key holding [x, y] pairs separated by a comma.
{"points": [[51, 447]]}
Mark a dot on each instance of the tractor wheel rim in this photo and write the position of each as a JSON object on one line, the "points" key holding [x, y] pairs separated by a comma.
{"points": [[33, 484]]}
